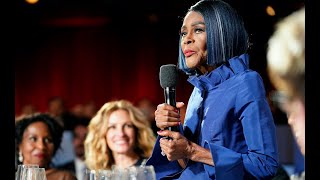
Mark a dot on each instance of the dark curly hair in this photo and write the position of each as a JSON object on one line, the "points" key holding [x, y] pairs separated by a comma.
{"points": [[55, 129]]}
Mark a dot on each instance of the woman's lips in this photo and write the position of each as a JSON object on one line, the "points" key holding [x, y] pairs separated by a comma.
{"points": [[188, 53], [40, 155]]}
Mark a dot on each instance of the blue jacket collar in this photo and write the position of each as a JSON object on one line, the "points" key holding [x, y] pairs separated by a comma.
{"points": [[210, 80]]}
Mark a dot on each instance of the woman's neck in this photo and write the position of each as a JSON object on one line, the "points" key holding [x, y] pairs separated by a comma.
{"points": [[206, 68], [125, 160]]}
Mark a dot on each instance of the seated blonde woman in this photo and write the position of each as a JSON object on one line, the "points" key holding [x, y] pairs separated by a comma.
{"points": [[120, 135]]}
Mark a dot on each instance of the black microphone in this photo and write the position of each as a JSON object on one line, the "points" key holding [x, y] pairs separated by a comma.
{"points": [[168, 81]]}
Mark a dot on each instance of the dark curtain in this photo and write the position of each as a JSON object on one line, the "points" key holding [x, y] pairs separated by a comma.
{"points": [[94, 63]]}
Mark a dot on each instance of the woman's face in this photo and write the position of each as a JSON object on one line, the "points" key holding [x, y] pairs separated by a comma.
{"points": [[37, 146], [121, 132], [194, 40], [296, 118]]}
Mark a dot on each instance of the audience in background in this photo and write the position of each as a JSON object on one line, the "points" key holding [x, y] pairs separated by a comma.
{"points": [[38, 138], [58, 109], [89, 109], [27, 109], [120, 135], [286, 67], [77, 110], [78, 166], [148, 107]]}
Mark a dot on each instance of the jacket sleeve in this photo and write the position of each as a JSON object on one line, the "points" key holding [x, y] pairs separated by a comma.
{"points": [[261, 159], [162, 166]]}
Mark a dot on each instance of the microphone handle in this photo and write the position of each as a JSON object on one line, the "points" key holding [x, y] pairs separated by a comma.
{"points": [[170, 98]]}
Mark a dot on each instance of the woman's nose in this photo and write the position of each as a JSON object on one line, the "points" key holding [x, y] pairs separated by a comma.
{"points": [[188, 41], [188, 38], [41, 145]]}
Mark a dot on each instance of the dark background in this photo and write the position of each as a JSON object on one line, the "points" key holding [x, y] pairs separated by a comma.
{"points": [[101, 50]]}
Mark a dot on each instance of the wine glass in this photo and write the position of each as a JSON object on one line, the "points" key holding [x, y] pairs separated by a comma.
{"points": [[90, 174], [119, 173], [133, 172], [21, 167], [33, 173], [104, 174], [146, 173], [39, 174]]}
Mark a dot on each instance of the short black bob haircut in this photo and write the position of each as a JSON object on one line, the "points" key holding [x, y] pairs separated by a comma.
{"points": [[226, 33]]}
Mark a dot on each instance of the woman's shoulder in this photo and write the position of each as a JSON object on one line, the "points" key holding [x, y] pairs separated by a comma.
{"points": [[250, 79], [58, 174], [249, 75]]}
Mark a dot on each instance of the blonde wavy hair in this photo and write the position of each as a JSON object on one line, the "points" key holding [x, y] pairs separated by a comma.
{"points": [[97, 153], [286, 55]]}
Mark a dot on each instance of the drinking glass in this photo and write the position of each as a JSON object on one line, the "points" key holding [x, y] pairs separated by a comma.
{"points": [[119, 173], [33, 173], [39, 174], [21, 167], [133, 172], [104, 174], [90, 174], [146, 173]]}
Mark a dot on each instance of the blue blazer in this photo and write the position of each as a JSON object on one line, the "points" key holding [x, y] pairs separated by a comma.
{"points": [[227, 113]]}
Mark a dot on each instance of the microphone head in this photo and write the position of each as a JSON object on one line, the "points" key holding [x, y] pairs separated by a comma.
{"points": [[168, 75]]}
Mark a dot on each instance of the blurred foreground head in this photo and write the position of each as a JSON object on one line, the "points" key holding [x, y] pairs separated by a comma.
{"points": [[286, 68]]}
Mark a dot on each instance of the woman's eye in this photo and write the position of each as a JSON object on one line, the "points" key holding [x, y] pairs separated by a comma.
{"points": [[33, 139], [111, 127], [48, 140], [198, 30], [129, 125], [183, 34]]}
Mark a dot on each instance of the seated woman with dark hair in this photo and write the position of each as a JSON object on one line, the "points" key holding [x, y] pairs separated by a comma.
{"points": [[38, 137]]}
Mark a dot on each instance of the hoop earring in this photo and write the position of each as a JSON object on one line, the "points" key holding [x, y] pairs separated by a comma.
{"points": [[20, 158]]}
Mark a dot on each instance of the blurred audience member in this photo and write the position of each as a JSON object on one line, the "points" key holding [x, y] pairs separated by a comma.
{"points": [[120, 135], [38, 138], [58, 109], [77, 110], [27, 109], [148, 107], [89, 109], [286, 67], [77, 166]]}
